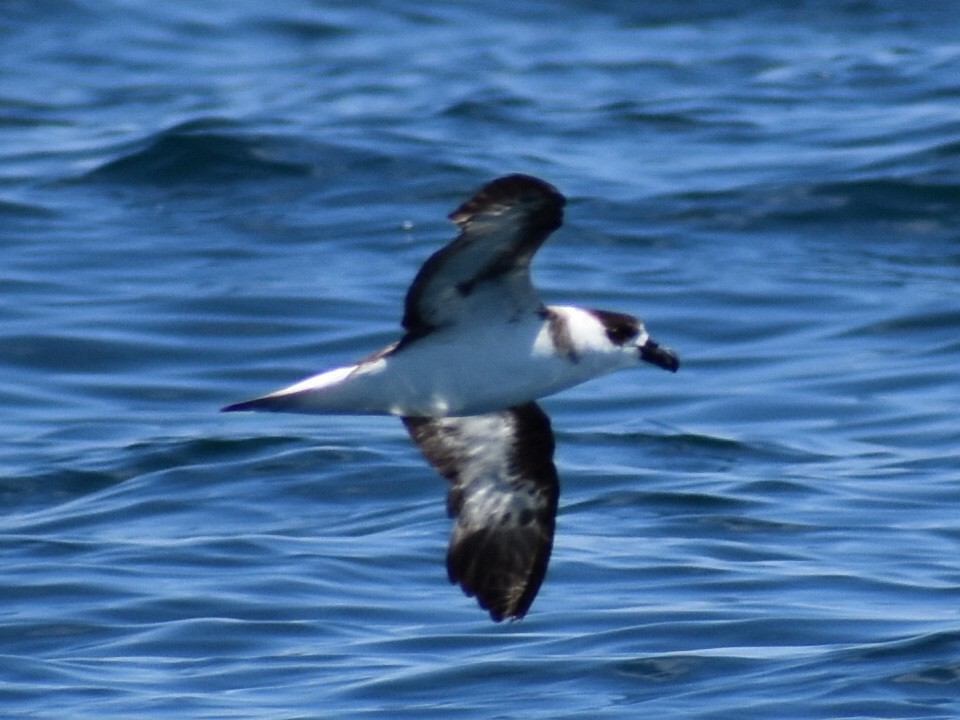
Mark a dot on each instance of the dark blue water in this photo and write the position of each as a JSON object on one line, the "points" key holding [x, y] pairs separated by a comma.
{"points": [[203, 202]]}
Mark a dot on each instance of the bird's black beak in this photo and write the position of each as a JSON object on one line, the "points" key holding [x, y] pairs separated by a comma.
{"points": [[659, 356]]}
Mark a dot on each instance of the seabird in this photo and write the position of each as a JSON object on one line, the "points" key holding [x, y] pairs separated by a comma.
{"points": [[479, 349]]}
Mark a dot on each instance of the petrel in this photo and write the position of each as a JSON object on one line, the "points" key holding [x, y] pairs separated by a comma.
{"points": [[479, 348]]}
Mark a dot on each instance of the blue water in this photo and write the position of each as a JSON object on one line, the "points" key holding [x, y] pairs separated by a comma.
{"points": [[200, 202]]}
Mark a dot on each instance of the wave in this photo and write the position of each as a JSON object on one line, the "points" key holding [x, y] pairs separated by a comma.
{"points": [[931, 207], [200, 151]]}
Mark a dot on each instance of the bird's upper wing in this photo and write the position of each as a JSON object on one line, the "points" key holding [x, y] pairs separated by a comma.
{"points": [[486, 269], [503, 496]]}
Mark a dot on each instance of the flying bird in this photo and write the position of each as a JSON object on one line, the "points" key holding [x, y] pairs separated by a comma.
{"points": [[479, 348]]}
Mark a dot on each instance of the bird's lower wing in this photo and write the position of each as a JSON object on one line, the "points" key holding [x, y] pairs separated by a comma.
{"points": [[503, 497]]}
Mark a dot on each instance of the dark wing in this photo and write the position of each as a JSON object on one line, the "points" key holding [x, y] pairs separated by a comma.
{"points": [[503, 495], [486, 269]]}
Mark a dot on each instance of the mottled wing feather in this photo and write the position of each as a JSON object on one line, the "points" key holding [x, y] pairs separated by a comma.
{"points": [[487, 267], [503, 497]]}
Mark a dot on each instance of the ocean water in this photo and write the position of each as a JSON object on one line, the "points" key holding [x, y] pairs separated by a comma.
{"points": [[201, 202]]}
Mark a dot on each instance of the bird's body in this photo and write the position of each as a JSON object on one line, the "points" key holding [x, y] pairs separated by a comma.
{"points": [[449, 371], [480, 347]]}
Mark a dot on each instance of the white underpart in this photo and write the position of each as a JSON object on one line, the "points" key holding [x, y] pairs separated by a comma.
{"points": [[465, 370]]}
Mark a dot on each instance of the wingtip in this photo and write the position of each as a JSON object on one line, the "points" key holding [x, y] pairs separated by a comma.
{"points": [[241, 406], [494, 606], [513, 188]]}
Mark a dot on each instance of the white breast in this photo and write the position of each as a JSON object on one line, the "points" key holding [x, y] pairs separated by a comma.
{"points": [[496, 366], [466, 370]]}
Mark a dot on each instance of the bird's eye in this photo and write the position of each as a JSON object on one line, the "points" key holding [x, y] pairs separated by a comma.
{"points": [[621, 334], [619, 327]]}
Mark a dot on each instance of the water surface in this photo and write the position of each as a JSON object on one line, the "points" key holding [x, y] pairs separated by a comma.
{"points": [[200, 204]]}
